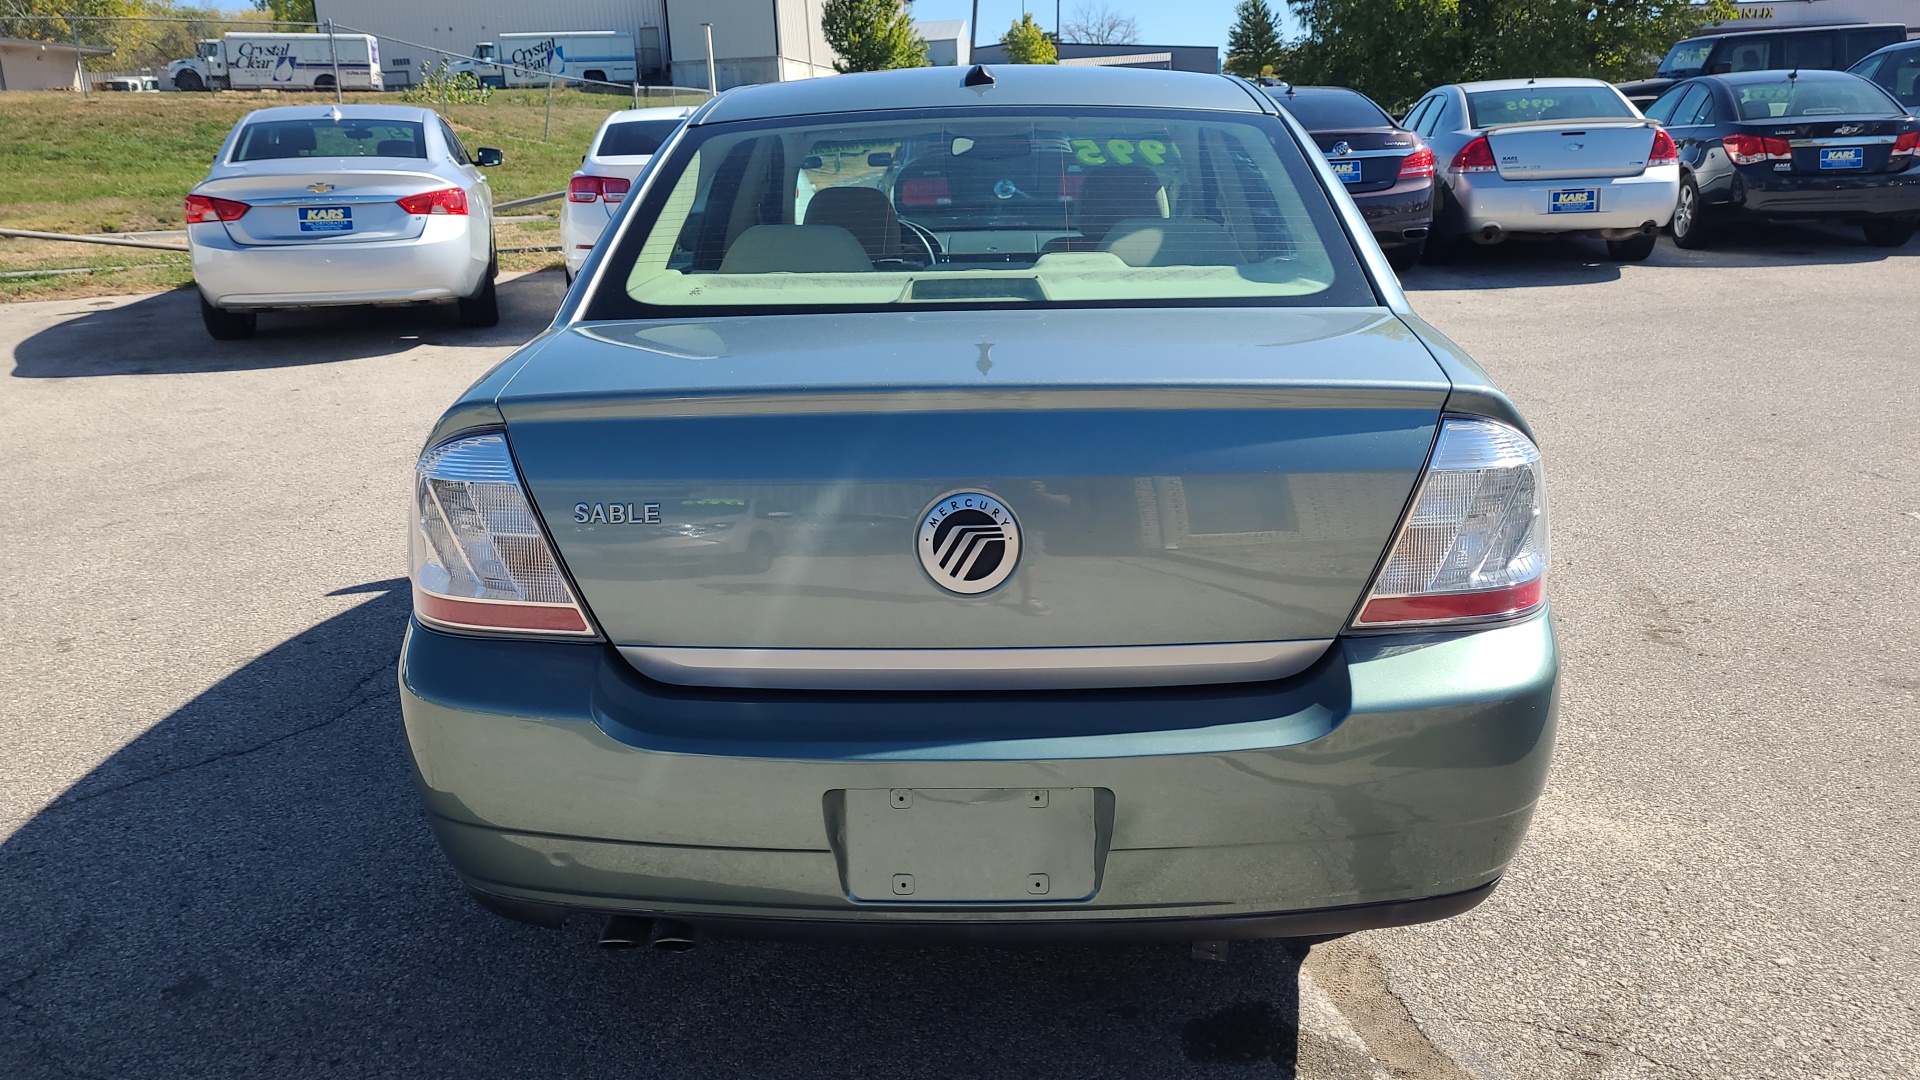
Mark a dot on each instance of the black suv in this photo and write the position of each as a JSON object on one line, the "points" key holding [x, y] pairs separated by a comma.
{"points": [[1829, 48]]}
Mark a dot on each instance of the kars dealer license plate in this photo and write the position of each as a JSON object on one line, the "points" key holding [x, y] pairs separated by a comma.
{"points": [[326, 219]]}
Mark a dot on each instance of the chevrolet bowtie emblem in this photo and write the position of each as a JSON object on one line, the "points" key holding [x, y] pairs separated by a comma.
{"points": [[320, 188]]}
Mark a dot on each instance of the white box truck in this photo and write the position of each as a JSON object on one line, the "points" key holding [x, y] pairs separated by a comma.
{"points": [[280, 62], [517, 60]]}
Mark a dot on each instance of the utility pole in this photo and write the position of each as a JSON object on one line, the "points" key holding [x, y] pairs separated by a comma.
{"points": [[713, 81], [333, 50], [973, 31], [79, 65]]}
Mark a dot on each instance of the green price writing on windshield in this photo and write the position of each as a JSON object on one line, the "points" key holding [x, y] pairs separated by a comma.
{"points": [[1123, 151]]}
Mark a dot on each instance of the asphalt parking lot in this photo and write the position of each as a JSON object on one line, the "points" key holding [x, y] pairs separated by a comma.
{"points": [[214, 863]]}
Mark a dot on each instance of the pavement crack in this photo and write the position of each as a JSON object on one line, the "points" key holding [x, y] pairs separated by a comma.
{"points": [[360, 695], [1582, 1036]]}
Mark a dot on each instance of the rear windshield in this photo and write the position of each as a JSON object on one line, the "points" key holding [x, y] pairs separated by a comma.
{"points": [[1332, 110], [635, 138], [1849, 96], [1530, 103], [1686, 59], [266, 140], [982, 207]]}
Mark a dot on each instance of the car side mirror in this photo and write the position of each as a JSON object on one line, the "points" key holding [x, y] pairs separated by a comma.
{"points": [[488, 156]]}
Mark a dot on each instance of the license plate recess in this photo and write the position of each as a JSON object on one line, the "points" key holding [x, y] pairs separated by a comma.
{"points": [[970, 845]]}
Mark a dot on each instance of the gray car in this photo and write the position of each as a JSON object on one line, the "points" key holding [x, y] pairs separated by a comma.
{"points": [[1560, 157], [1145, 568], [330, 205]]}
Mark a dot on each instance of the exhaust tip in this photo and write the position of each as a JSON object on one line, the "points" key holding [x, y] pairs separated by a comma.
{"points": [[625, 932], [671, 935], [1489, 234]]}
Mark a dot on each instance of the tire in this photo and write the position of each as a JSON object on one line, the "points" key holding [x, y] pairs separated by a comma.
{"points": [[1690, 228], [1888, 232], [1403, 257], [596, 75], [482, 309], [227, 325], [1632, 249], [323, 82], [567, 270], [758, 558], [189, 81]]}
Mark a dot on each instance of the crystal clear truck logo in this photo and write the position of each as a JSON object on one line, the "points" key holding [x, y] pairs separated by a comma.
{"points": [[968, 542]]}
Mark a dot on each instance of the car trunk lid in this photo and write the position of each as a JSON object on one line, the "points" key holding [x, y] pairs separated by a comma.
{"points": [[760, 482], [1837, 146], [1366, 160], [317, 200], [1570, 149]]}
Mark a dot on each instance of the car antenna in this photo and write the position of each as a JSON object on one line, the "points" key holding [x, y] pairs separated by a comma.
{"points": [[978, 78]]}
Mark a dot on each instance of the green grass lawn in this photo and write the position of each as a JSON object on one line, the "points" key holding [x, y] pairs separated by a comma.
{"points": [[123, 162]]}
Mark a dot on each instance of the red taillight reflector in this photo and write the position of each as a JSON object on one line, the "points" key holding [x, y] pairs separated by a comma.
{"points": [[1664, 152], [1475, 157], [1754, 149], [1908, 143], [1438, 607], [585, 189], [495, 615], [925, 191], [207, 208], [614, 188], [451, 200], [1417, 164]]}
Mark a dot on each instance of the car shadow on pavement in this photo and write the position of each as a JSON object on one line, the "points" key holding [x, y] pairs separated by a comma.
{"points": [[162, 335], [249, 888], [1529, 263]]}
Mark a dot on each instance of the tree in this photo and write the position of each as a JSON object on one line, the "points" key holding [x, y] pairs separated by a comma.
{"points": [[1253, 45], [1099, 25], [871, 35], [287, 11], [1028, 44], [1395, 50]]}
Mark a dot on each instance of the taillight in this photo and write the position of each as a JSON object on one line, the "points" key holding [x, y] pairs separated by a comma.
{"points": [[479, 559], [1417, 164], [1476, 156], [1754, 149], [207, 208], [585, 189], [1474, 546], [1663, 152], [925, 191], [451, 200], [1907, 145]]}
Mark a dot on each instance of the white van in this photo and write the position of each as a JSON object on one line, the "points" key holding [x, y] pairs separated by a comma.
{"points": [[517, 60], [280, 62]]}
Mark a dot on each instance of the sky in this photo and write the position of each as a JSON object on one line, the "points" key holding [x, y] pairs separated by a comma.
{"points": [[1162, 22]]}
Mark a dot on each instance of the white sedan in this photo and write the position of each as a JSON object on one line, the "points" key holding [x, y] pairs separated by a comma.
{"points": [[620, 149], [322, 206]]}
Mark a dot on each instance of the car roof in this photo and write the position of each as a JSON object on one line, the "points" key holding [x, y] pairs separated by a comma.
{"points": [[1717, 34], [1770, 75], [661, 112], [1014, 85], [345, 112], [1898, 46], [1522, 84]]}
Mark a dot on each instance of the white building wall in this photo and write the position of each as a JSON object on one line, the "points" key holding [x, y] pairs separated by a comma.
{"points": [[1760, 14], [456, 25], [754, 41], [37, 67]]}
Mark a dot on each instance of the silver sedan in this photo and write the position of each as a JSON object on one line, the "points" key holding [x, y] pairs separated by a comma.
{"points": [[1554, 156], [320, 206]]}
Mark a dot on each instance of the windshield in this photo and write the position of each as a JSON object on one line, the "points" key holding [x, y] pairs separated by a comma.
{"points": [[635, 138], [269, 139], [1807, 96], [1529, 103], [982, 207], [1686, 59], [1333, 110]]}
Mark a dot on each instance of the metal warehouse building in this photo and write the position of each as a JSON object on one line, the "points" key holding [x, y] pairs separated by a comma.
{"points": [[754, 41]]}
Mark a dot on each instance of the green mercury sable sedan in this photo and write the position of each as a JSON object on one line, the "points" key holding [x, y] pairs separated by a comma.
{"points": [[993, 504]]}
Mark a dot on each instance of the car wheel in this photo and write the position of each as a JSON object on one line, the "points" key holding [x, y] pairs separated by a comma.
{"points": [[227, 325], [189, 81], [1689, 226], [1632, 249], [1403, 257], [1889, 232], [323, 82], [758, 558], [483, 307], [567, 270]]}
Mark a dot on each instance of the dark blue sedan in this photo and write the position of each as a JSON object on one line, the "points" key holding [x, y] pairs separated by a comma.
{"points": [[1791, 145]]}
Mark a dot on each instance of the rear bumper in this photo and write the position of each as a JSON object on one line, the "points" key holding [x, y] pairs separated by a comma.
{"points": [[1764, 194], [1522, 206], [580, 227], [1406, 207], [1390, 783], [444, 262]]}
